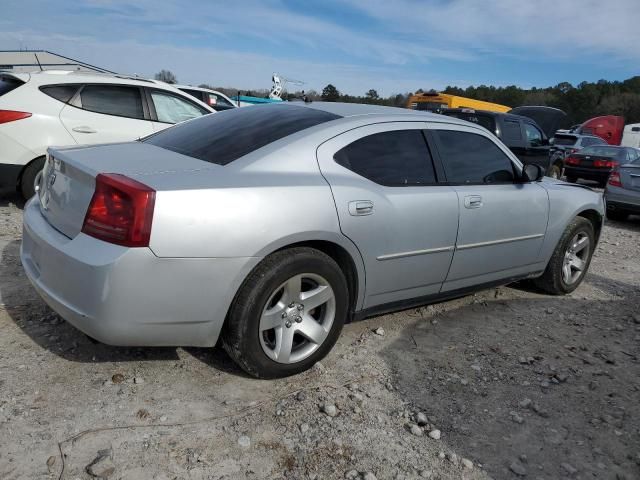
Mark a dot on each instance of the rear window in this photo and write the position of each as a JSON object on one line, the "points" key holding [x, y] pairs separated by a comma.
{"points": [[226, 136], [60, 92], [9, 83], [564, 140], [485, 121], [603, 151]]}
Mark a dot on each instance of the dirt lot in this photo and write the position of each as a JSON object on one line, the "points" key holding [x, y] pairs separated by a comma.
{"points": [[518, 384]]}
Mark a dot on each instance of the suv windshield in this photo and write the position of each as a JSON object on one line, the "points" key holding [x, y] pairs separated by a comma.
{"points": [[226, 136], [565, 140], [602, 151]]}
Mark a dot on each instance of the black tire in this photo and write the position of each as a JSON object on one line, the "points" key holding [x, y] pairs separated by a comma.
{"points": [[555, 171], [617, 215], [28, 177], [572, 179], [241, 333], [552, 280]]}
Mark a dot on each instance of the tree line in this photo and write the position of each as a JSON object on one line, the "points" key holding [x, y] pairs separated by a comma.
{"points": [[579, 102]]}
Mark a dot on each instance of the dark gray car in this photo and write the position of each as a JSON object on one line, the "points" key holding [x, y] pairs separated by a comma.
{"points": [[623, 190]]}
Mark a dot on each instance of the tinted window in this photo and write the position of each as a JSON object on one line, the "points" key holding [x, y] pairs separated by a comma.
{"points": [[217, 100], [395, 158], [603, 151], [9, 83], [471, 158], [226, 136], [60, 92], [173, 109], [112, 100], [511, 132], [534, 135], [194, 93], [485, 121], [564, 140]]}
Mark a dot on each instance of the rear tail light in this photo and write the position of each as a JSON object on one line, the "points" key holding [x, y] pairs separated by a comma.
{"points": [[605, 163], [614, 180], [121, 211], [7, 116], [572, 161]]}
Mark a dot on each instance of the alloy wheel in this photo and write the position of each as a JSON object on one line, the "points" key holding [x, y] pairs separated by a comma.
{"points": [[575, 258], [297, 318]]}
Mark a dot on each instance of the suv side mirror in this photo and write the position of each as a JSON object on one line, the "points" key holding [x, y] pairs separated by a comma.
{"points": [[532, 173]]}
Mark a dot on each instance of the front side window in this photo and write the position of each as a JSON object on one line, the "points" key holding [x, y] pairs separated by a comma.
{"points": [[470, 158], [173, 109], [395, 158], [534, 136], [120, 100]]}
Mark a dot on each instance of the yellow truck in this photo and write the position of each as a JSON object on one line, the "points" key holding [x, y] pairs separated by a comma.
{"points": [[436, 102]]}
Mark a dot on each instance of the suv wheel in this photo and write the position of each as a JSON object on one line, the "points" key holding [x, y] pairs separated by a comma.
{"points": [[27, 181], [288, 314], [570, 260]]}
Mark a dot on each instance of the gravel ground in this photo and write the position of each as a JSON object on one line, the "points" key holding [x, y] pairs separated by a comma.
{"points": [[507, 383]]}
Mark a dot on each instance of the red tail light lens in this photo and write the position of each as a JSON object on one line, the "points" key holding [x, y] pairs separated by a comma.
{"points": [[7, 116], [605, 163], [121, 211], [614, 180], [572, 161]]}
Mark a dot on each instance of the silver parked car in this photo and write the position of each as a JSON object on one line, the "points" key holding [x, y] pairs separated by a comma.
{"points": [[622, 194], [270, 226]]}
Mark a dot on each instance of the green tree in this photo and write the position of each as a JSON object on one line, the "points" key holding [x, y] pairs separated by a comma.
{"points": [[330, 93], [166, 76], [372, 95]]}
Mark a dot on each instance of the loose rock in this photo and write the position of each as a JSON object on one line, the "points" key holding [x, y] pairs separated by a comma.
{"points": [[435, 434], [517, 468], [330, 409], [244, 441]]}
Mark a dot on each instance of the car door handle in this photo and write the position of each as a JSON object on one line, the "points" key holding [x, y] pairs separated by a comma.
{"points": [[472, 201], [83, 129], [361, 207]]}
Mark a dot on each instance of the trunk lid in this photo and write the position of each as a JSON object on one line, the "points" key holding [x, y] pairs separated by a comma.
{"points": [[67, 182], [630, 176]]}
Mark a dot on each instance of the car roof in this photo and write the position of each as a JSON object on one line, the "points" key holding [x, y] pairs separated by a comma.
{"points": [[70, 76], [347, 110]]}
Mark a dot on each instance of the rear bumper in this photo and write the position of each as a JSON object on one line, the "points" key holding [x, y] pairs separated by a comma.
{"points": [[587, 173], [622, 199], [128, 296]]}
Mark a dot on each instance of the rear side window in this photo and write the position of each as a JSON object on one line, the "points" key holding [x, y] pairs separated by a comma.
{"points": [[564, 140], [60, 92], [117, 100], [472, 159], [603, 151], [226, 136], [9, 83], [511, 132], [173, 109], [395, 158]]}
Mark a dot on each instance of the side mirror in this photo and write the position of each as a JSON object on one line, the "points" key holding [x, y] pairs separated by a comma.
{"points": [[532, 173]]}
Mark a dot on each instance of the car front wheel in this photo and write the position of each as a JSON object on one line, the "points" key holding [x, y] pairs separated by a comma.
{"points": [[288, 313], [570, 260]]}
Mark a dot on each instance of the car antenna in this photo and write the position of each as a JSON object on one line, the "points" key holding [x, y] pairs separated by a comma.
{"points": [[37, 60]]}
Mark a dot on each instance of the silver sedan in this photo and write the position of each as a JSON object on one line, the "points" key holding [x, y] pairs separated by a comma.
{"points": [[271, 226]]}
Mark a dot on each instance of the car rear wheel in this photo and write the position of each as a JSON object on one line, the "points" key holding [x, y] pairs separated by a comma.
{"points": [[617, 215], [288, 313], [570, 260], [27, 181]]}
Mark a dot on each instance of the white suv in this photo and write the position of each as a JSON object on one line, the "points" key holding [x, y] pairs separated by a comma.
{"points": [[47, 108]]}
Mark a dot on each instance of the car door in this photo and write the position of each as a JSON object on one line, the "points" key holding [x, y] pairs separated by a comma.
{"points": [[389, 205], [502, 221], [103, 113], [168, 108]]}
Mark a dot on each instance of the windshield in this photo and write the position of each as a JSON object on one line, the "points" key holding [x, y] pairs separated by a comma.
{"points": [[564, 140], [603, 151]]}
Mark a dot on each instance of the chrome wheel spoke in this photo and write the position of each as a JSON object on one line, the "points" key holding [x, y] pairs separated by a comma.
{"points": [[292, 289], [316, 297], [272, 318], [566, 272], [580, 244], [312, 330], [577, 263], [284, 344]]}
